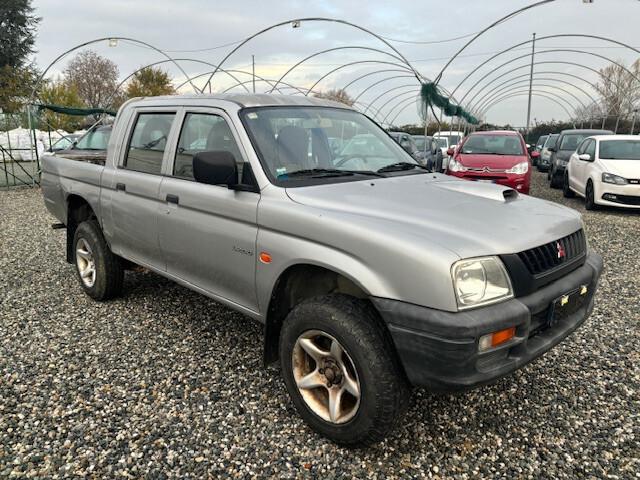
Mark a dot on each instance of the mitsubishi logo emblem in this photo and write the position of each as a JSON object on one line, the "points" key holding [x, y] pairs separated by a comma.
{"points": [[561, 253]]}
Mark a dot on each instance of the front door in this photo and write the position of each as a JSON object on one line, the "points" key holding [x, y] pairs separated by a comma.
{"points": [[207, 232]]}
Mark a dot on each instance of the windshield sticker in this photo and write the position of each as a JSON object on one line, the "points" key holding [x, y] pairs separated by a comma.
{"points": [[281, 171]]}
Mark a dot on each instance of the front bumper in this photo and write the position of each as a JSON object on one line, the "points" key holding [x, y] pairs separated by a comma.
{"points": [[439, 349], [519, 182], [627, 196]]}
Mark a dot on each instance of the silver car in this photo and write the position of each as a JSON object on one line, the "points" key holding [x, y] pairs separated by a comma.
{"points": [[371, 275]]}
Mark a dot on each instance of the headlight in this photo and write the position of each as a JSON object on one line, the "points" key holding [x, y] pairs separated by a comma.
{"points": [[456, 166], [615, 179], [480, 281], [520, 168]]}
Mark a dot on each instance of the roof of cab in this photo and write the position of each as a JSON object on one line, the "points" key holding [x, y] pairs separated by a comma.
{"points": [[244, 100]]}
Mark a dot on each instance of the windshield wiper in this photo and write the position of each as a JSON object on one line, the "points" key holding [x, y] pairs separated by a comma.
{"points": [[401, 166], [328, 172]]}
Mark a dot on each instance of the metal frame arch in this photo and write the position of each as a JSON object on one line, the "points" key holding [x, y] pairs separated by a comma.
{"points": [[375, 84], [560, 35], [330, 72], [512, 82], [494, 70], [518, 88], [314, 19], [516, 91], [535, 93], [329, 50], [102, 39], [389, 91], [406, 103], [528, 65]]}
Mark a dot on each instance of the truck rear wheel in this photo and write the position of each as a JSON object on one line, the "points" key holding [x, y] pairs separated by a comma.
{"points": [[100, 272], [341, 371]]}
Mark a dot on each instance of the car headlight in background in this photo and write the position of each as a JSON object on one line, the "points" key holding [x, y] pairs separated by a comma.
{"points": [[456, 166], [615, 179], [480, 281], [520, 168]]}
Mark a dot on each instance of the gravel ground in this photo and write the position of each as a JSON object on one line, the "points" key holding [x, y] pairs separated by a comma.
{"points": [[166, 383]]}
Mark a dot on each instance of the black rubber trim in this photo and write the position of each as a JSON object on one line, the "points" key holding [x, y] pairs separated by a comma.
{"points": [[439, 349]]}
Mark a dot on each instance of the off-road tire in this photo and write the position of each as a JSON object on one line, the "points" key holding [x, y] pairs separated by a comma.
{"points": [[109, 267], [385, 392]]}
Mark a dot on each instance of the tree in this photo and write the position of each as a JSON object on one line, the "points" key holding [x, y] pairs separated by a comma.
{"points": [[620, 91], [17, 34], [150, 82], [61, 93], [94, 78], [337, 95]]}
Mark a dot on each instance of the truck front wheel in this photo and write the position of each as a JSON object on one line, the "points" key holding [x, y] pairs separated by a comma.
{"points": [[341, 370], [99, 270]]}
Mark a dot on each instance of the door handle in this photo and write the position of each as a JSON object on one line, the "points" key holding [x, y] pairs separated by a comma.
{"points": [[121, 186], [172, 198]]}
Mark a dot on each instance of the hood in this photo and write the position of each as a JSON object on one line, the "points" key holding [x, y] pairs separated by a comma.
{"points": [[623, 168], [564, 154], [504, 162], [467, 218]]}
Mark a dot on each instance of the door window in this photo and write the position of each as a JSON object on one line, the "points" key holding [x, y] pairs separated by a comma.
{"points": [[148, 141], [203, 132], [591, 149]]}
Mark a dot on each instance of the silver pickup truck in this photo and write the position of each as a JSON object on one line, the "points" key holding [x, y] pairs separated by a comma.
{"points": [[370, 273]]}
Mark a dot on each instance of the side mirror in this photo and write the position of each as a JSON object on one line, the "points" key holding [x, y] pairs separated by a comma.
{"points": [[215, 168], [535, 154], [450, 151], [551, 149], [585, 157]]}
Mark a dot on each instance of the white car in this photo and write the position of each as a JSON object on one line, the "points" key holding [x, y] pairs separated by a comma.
{"points": [[605, 170]]}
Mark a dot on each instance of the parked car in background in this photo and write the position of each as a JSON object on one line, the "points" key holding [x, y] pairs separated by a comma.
{"points": [[545, 155], [538, 148], [453, 137], [565, 145], [605, 170], [92, 146], [432, 152], [495, 157], [409, 145], [65, 142], [370, 274]]}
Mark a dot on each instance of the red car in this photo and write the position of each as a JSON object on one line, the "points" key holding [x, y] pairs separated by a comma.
{"points": [[497, 157]]}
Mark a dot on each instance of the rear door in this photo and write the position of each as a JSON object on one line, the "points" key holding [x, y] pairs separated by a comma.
{"points": [[136, 184], [207, 232]]}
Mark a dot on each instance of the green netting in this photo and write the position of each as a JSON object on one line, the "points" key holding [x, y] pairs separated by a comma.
{"points": [[75, 111], [431, 96]]}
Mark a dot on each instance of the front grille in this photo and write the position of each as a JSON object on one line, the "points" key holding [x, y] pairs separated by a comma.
{"points": [[542, 259], [486, 169]]}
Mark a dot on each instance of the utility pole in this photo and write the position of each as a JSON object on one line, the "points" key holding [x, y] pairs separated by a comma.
{"points": [[253, 71], [533, 54]]}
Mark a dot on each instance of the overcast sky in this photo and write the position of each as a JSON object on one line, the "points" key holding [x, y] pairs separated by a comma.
{"points": [[199, 24]]}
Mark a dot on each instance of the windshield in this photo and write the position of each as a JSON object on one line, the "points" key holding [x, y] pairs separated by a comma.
{"points": [[293, 144], [620, 149], [551, 141], [493, 145], [442, 142], [95, 139], [540, 143], [420, 141]]}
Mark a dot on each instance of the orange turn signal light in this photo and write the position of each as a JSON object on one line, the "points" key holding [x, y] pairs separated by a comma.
{"points": [[495, 339], [265, 257]]}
